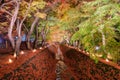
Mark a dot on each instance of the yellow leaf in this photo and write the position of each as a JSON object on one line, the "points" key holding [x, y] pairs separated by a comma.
{"points": [[41, 15]]}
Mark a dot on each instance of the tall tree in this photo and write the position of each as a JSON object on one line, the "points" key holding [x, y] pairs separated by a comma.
{"points": [[21, 10], [97, 30], [94, 24]]}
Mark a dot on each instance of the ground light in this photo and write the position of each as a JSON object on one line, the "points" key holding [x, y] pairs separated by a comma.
{"points": [[40, 48], [79, 50], [34, 50], [14, 55], [107, 60], [10, 60], [22, 52], [83, 51]]}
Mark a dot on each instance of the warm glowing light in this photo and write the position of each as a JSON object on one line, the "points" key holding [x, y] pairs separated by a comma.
{"points": [[79, 49], [87, 52], [40, 48], [83, 51], [10, 61], [34, 50], [22, 52], [15, 55], [107, 60]]}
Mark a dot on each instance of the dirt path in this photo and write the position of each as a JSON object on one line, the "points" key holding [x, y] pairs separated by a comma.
{"points": [[56, 62]]}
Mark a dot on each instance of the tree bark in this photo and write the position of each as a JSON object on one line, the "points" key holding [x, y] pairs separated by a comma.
{"points": [[35, 22], [31, 30], [18, 43], [103, 39], [43, 36], [19, 29], [10, 29], [36, 37]]}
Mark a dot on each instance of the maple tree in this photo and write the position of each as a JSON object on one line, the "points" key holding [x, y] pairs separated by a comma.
{"points": [[90, 25], [95, 25]]}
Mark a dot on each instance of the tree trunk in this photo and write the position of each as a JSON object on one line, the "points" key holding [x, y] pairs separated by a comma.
{"points": [[31, 30], [19, 27], [36, 37], [103, 39], [17, 48], [43, 36], [103, 42], [10, 29]]}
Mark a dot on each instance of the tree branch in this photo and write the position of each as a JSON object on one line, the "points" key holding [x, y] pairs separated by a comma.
{"points": [[19, 33], [14, 17], [7, 3]]}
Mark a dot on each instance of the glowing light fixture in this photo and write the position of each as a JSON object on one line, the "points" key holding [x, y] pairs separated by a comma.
{"points": [[10, 60], [97, 48], [14, 55], [22, 52], [34, 50], [107, 60], [79, 49], [83, 51], [40, 48], [87, 52]]}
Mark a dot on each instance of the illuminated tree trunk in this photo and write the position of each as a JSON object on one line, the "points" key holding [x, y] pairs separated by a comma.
{"points": [[19, 29], [43, 36], [18, 43], [36, 37], [103, 39], [104, 42], [31, 30], [10, 29]]}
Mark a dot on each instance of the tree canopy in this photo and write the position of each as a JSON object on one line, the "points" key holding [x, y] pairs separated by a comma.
{"points": [[94, 24]]}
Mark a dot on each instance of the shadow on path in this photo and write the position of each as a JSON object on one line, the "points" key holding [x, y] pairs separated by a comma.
{"points": [[45, 65]]}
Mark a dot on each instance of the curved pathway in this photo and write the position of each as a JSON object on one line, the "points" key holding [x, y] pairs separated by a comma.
{"points": [[57, 62]]}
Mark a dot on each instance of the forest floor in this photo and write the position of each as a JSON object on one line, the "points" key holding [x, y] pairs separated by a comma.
{"points": [[43, 64]]}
